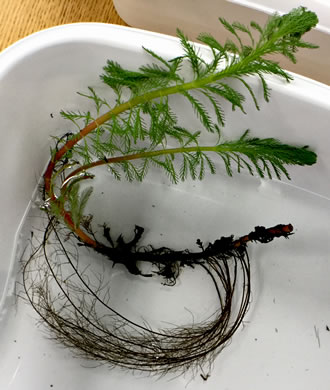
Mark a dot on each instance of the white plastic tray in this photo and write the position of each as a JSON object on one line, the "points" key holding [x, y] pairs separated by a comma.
{"points": [[285, 342]]}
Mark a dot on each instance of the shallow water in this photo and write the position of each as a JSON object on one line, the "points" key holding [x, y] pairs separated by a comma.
{"points": [[284, 339]]}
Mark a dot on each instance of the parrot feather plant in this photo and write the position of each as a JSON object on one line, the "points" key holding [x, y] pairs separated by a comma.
{"points": [[131, 137]]}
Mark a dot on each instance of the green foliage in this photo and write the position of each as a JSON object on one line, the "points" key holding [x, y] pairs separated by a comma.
{"points": [[282, 34], [263, 156], [77, 201], [149, 77], [143, 122]]}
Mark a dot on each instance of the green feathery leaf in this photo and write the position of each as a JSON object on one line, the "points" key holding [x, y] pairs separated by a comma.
{"points": [[260, 152], [136, 132], [191, 54], [77, 202]]}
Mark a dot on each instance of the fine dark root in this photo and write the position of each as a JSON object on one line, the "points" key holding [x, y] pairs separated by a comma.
{"points": [[75, 302]]}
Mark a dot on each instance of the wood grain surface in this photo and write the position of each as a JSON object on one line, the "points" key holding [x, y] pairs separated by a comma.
{"points": [[19, 18]]}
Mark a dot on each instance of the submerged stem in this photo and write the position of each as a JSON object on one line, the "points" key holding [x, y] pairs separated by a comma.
{"points": [[280, 35], [137, 156], [234, 69]]}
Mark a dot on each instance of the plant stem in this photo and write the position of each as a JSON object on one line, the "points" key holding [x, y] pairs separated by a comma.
{"points": [[234, 69], [136, 156], [66, 215]]}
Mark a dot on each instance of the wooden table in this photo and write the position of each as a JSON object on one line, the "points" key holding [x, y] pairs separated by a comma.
{"points": [[19, 18]]}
